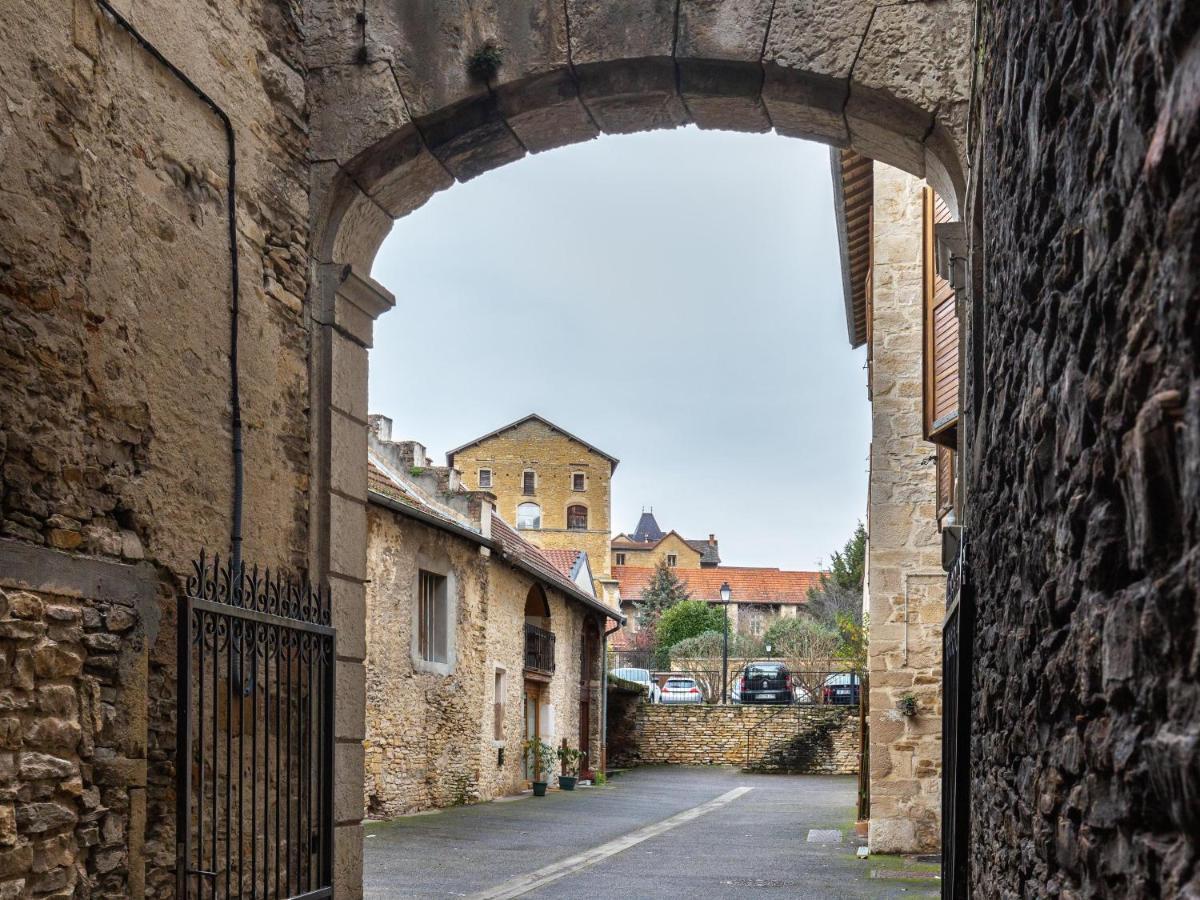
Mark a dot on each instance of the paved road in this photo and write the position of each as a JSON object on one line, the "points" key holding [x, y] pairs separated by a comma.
{"points": [[650, 833]]}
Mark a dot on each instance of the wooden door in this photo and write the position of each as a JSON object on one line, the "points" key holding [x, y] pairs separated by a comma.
{"points": [[533, 722]]}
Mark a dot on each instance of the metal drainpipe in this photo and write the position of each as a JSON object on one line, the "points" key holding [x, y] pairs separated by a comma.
{"points": [[235, 531]]}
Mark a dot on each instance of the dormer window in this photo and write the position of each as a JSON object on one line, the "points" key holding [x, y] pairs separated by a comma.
{"points": [[485, 478], [578, 481], [529, 482]]}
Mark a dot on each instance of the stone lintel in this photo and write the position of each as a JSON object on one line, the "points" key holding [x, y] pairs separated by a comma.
{"points": [[29, 567]]}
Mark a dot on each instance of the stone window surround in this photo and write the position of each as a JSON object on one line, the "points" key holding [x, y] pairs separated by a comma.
{"points": [[620, 559], [533, 491], [584, 481], [479, 478], [438, 564], [502, 670], [576, 501], [672, 560], [538, 526]]}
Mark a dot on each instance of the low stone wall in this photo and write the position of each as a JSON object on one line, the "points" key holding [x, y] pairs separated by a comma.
{"points": [[817, 740]]}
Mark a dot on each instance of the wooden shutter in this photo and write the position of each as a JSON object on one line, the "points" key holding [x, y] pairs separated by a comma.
{"points": [[940, 335]]}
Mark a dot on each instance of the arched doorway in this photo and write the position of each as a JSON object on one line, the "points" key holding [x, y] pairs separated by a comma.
{"points": [[403, 111]]}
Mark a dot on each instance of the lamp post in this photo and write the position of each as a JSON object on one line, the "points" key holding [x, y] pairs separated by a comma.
{"points": [[725, 592]]}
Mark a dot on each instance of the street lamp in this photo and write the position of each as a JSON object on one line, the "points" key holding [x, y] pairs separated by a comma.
{"points": [[725, 592]]}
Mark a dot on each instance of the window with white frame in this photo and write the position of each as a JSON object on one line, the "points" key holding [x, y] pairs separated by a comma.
{"points": [[620, 559], [529, 482], [485, 478], [529, 515], [578, 481], [432, 616], [672, 559]]}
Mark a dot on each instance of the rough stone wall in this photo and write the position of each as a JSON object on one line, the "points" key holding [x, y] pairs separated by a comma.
{"points": [[554, 458], [74, 818], [813, 740], [114, 312], [1086, 435], [905, 582], [429, 738]]}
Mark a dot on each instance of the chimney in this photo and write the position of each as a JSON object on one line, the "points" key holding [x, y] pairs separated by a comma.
{"points": [[485, 519], [712, 540], [380, 426]]}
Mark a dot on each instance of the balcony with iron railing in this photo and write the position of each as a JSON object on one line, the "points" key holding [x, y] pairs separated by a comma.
{"points": [[539, 650]]}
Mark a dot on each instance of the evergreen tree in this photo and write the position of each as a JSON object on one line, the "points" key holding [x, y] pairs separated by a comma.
{"points": [[664, 591]]}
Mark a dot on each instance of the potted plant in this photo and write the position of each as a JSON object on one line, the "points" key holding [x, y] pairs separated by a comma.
{"points": [[907, 704], [541, 758], [570, 759]]}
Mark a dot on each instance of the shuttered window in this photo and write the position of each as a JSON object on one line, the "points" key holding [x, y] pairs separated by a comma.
{"points": [[485, 478], [940, 334], [528, 482], [577, 518]]}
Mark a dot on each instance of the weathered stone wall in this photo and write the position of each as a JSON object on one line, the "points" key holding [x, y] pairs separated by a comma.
{"points": [[905, 582], [814, 740], [554, 457], [114, 348], [74, 816], [1083, 461], [429, 739]]}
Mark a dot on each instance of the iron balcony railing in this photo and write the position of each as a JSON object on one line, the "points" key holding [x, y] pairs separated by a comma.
{"points": [[539, 649]]}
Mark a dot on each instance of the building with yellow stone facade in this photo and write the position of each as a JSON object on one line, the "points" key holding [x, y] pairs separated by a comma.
{"points": [[553, 486], [649, 544]]}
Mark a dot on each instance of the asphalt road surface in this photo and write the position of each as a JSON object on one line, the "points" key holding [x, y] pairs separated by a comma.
{"points": [[663, 832]]}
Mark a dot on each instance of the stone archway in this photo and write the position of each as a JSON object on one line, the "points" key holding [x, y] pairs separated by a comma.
{"points": [[397, 116]]}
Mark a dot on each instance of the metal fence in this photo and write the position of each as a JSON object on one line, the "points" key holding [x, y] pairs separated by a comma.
{"points": [[254, 770], [539, 649]]}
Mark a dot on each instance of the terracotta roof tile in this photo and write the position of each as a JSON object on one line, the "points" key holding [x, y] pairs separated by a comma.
{"points": [[563, 560], [749, 585]]}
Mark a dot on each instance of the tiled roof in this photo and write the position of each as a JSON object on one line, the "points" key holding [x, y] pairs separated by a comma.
{"points": [[708, 552], [749, 585], [853, 199], [534, 417], [516, 547], [563, 560], [382, 480], [647, 529]]}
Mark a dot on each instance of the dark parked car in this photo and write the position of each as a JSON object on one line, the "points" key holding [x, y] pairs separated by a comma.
{"points": [[764, 682], [841, 690]]}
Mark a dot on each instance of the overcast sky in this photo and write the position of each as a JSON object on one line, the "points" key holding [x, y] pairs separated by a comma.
{"points": [[675, 299]]}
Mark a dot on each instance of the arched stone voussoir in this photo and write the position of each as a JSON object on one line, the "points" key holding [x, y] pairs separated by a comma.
{"points": [[630, 95], [471, 137], [545, 111], [347, 225], [399, 173], [724, 94]]}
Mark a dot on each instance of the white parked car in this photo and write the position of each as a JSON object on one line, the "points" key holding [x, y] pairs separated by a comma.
{"points": [[642, 677], [681, 690]]}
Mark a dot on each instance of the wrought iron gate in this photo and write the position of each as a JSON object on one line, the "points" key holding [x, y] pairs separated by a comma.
{"points": [[957, 634], [254, 780]]}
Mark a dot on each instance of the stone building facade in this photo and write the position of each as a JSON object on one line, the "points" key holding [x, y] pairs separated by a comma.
{"points": [[648, 544], [449, 730], [904, 586], [535, 469]]}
